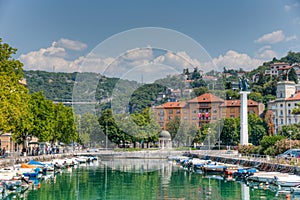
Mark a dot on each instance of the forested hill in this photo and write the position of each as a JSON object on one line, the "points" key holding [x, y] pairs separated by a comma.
{"points": [[59, 86], [56, 86]]}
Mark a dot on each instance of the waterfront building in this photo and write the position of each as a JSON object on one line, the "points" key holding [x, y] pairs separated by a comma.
{"points": [[203, 109], [231, 108], [168, 111], [287, 98]]}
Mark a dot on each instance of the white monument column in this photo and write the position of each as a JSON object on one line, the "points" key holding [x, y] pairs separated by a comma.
{"points": [[244, 118]]}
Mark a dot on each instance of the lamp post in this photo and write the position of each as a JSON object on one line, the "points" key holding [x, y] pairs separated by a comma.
{"points": [[290, 132], [209, 138]]}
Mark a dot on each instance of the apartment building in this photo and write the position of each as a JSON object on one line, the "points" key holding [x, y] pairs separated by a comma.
{"points": [[170, 110], [203, 109], [231, 108], [287, 98]]}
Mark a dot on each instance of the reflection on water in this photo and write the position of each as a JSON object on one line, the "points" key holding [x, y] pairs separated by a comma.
{"points": [[142, 179]]}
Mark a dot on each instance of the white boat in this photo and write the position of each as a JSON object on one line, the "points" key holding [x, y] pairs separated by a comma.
{"points": [[265, 177], [295, 189], [287, 181]]}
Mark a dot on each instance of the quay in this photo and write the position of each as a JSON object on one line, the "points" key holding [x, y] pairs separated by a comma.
{"points": [[262, 163]]}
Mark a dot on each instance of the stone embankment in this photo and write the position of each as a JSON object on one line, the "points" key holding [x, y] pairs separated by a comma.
{"points": [[12, 160], [229, 157]]}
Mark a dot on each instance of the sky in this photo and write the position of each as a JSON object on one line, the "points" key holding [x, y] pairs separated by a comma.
{"points": [[65, 35]]}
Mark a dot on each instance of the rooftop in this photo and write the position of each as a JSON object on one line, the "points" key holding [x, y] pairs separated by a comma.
{"points": [[207, 97]]}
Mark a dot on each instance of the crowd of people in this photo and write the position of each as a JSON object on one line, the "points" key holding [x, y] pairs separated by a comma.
{"points": [[36, 150]]}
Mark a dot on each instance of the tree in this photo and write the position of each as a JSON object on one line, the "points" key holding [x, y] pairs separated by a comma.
{"points": [[257, 129], [181, 138], [111, 128], [229, 134], [256, 96], [89, 125], [43, 117], [13, 95], [64, 129], [293, 76], [287, 129], [200, 90], [173, 126]]}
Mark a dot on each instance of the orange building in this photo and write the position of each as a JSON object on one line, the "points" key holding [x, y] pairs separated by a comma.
{"points": [[170, 110], [231, 108], [203, 109]]}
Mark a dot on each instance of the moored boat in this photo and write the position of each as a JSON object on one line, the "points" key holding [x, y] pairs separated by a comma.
{"points": [[290, 180]]}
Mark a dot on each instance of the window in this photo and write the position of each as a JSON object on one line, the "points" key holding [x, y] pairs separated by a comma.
{"points": [[170, 111], [178, 111], [185, 117], [194, 118], [289, 105], [161, 119], [161, 124], [231, 116], [289, 112], [251, 111], [214, 117], [194, 111], [231, 110], [215, 111], [281, 105], [290, 121], [281, 112], [170, 117], [161, 113], [281, 121]]}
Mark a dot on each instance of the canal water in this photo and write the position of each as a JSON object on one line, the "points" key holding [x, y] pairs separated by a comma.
{"points": [[137, 179]]}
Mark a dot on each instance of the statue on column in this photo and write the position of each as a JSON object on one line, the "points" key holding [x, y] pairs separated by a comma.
{"points": [[244, 84]]}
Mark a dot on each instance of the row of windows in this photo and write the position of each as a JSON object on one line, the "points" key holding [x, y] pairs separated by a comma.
{"points": [[289, 105], [288, 122], [281, 112]]}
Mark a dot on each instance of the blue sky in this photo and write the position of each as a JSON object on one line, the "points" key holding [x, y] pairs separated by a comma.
{"points": [[234, 33]]}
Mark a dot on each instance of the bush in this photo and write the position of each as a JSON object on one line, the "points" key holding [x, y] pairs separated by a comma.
{"points": [[249, 149], [284, 144]]}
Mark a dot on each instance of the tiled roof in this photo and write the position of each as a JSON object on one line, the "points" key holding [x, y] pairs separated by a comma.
{"points": [[285, 68], [237, 103], [172, 105], [207, 97], [295, 97]]}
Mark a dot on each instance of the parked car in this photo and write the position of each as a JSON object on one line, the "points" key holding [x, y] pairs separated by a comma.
{"points": [[92, 150], [291, 153]]}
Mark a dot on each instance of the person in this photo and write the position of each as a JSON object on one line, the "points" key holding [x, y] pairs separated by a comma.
{"points": [[3, 152]]}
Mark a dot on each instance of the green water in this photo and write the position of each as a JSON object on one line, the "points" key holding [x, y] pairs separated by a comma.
{"points": [[141, 179]]}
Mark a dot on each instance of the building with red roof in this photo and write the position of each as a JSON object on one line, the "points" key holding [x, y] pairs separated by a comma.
{"points": [[287, 99], [202, 109]]}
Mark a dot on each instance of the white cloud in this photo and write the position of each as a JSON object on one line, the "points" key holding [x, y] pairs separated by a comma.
{"points": [[235, 60], [275, 37], [70, 44], [289, 7], [55, 57], [292, 37], [271, 38], [265, 53]]}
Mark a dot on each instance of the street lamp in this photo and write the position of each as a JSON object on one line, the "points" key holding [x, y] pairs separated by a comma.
{"points": [[290, 132], [209, 138]]}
